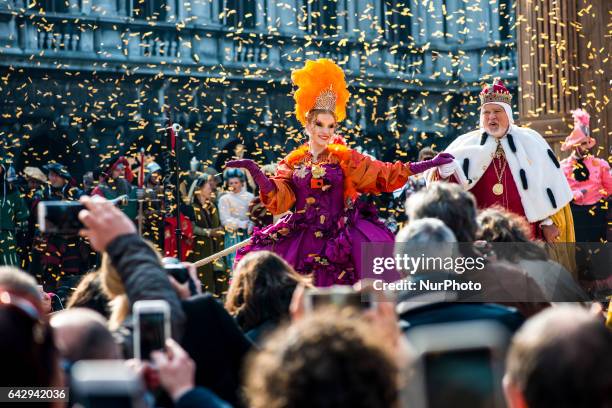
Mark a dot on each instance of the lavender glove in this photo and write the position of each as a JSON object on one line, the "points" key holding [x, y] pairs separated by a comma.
{"points": [[440, 159], [265, 184]]}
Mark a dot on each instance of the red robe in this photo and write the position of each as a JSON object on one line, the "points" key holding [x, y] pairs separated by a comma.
{"points": [[510, 199]]}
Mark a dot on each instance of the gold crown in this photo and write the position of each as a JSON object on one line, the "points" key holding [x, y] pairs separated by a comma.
{"points": [[496, 92], [326, 100], [495, 97]]}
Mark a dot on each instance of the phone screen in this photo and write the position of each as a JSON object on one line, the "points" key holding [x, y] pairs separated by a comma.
{"points": [[62, 217], [152, 333], [461, 378]]}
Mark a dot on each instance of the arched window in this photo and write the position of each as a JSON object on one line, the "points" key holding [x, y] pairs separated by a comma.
{"points": [[238, 13], [396, 21], [321, 17], [53, 6], [506, 20], [150, 10]]}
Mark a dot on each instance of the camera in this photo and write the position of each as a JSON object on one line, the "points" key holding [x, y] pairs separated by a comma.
{"points": [[62, 217], [104, 383], [179, 272]]}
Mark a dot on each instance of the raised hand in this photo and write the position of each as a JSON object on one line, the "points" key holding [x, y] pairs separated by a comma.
{"points": [[265, 184], [242, 164], [442, 158], [439, 160]]}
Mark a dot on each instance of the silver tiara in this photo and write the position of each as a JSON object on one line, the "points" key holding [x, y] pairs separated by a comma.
{"points": [[326, 100]]}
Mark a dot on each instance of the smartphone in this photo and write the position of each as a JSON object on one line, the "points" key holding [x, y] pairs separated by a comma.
{"points": [[151, 327], [106, 383], [59, 217], [339, 296], [459, 364]]}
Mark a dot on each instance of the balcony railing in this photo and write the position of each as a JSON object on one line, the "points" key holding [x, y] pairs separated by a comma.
{"points": [[125, 41]]}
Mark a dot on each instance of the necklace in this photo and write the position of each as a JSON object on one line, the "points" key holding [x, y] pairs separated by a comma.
{"points": [[498, 188]]}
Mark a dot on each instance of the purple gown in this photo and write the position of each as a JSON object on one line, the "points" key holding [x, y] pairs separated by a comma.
{"points": [[322, 235]]}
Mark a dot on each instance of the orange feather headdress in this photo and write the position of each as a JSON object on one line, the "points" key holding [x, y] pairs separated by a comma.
{"points": [[321, 85]]}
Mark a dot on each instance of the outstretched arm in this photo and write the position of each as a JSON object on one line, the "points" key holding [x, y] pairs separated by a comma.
{"points": [[374, 176], [276, 193]]}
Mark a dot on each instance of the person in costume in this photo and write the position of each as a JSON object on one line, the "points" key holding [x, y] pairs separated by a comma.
{"points": [[415, 183], [117, 182], [234, 210], [13, 215], [590, 180], [153, 203], [513, 167], [321, 182], [208, 234], [34, 192], [258, 212]]}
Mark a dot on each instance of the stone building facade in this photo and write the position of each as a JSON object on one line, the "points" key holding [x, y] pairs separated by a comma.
{"points": [[82, 81]]}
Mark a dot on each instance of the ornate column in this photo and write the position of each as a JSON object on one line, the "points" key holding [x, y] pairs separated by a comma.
{"points": [[561, 45]]}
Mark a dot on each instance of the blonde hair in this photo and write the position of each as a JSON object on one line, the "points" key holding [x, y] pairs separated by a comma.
{"points": [[112, 286]]}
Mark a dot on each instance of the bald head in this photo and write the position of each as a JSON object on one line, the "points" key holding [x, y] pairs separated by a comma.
{"points": [[82, 334]]}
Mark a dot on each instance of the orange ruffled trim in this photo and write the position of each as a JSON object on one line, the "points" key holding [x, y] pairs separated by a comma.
{"points": [[341, 152]]}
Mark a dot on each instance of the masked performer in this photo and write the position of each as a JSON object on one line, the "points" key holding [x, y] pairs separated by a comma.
{"points": [[320, 182], [590, 180]]}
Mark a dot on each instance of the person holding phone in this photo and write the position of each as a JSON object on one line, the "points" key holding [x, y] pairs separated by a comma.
{"points": [[206, 331], [13, 214], [138, 268]]}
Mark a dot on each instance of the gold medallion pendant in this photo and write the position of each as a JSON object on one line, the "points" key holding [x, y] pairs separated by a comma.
{"points": [[498, 189]]}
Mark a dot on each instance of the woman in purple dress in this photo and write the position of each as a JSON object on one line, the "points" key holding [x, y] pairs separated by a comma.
{"points": [[320, 182]]}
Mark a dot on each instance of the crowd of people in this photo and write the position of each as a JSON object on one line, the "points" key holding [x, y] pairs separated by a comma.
{"points": [[216, 210], [265, 348], [275, 323]]}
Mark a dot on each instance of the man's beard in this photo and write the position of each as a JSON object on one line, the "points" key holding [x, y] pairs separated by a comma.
{"points": [[498, 134]]}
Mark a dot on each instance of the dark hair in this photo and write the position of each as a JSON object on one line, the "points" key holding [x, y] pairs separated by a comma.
{"points": [[89, 294], [202, 179], [449, 203], [234, 173], [498, 225], [27, 351], [326, 359], [261, 290], [561, 358]]}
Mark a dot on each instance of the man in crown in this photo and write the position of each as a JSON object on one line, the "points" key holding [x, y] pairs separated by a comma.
{"points": [[513, 167]]}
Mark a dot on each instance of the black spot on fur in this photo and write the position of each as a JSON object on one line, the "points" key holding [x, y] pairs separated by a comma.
{"points": [[466, 167], [511, 143], [551, 197], [483, 138], [552, 156], [523, 178]]}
